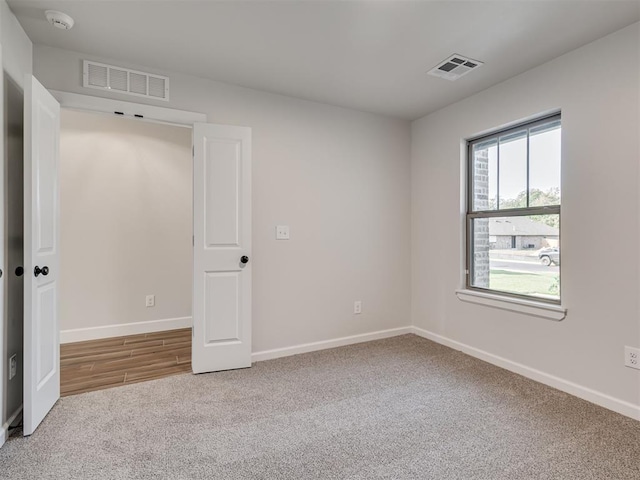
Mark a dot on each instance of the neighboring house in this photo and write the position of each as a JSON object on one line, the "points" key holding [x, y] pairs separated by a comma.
{"points": [[521, 233]]}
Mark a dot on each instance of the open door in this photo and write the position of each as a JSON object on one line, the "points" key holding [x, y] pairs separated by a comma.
{"points": [[41, 253], [222, 248]]}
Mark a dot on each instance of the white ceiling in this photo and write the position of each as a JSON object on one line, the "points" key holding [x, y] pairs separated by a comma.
{"points": [[367, 55]]}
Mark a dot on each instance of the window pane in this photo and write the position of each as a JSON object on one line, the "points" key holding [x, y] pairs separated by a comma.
{"points": [[513, 170], [485, 175], [518, 255], [544, 164]]}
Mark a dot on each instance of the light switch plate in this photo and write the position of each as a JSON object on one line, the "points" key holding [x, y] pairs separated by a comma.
{"points": [[282, 232]]}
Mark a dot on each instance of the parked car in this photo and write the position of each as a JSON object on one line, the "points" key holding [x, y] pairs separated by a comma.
{"points": [[550, 255]]}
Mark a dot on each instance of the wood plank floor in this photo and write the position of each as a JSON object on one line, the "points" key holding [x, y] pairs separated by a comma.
{"points": [[111, 362]]}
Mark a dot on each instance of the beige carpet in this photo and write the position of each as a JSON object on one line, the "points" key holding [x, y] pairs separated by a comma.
{"points": [[401, 408]]}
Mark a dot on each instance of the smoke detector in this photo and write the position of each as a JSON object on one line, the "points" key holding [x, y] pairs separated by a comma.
{"points": [[59, 19], [454, 67]]}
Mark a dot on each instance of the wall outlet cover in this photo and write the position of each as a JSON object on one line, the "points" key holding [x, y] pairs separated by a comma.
{"points": [[150, 301], [632, 357], [282, 232], [357, 307]]}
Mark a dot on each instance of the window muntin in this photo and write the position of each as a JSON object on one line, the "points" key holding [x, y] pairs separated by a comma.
{"points": [[513, 218]]}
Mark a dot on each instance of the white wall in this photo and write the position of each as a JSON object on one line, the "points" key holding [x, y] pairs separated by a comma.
{"points": [[16, 46], [597, 88], [125, 223], [339, 178]]}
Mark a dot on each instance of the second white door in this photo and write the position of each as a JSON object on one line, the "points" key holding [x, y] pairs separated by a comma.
{"points": [[222, 248]]}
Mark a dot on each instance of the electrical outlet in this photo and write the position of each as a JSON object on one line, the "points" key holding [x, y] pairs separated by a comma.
{"points": [[151, 301], [282, 232], [357, 307], [13, 366], [632, 357]]}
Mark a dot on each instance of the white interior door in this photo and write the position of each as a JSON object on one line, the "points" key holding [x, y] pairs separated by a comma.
{"points": [[222, 248], [41, 253]]}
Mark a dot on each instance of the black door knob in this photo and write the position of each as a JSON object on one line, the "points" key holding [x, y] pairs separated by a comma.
{"points": [[244, 259], [19, 271], [44, 271]]}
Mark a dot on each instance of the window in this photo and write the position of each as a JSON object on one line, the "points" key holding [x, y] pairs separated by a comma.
{"points": [[513, 212]]}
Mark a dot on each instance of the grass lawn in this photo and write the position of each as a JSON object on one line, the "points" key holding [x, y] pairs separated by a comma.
{"points": [[523, 283]]}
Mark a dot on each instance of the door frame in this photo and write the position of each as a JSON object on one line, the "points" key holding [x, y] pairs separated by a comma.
{"points": [[131, 110], [142, 112], [150, 113]]}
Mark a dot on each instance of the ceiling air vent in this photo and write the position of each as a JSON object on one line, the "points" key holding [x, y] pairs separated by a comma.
{"points": [[123, 80], [454, 67]]}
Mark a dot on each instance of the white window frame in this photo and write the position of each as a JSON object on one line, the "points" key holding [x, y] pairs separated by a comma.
{"points": [[533, 305]]}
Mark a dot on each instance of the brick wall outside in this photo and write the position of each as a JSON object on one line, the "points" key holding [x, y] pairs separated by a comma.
{"points": [[481, 226]]}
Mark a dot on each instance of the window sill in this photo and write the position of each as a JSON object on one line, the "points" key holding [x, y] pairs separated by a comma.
{"points": [[527, 307]]}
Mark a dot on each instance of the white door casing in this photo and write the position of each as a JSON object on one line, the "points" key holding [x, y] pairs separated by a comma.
{"points": [[41, 250], [3, 292], [222, 237]]}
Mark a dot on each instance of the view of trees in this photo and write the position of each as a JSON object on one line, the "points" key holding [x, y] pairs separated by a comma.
{"points": [[537, 198]]}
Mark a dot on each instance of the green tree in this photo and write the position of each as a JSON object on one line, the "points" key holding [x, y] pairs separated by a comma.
{"points": [[537, 198]]}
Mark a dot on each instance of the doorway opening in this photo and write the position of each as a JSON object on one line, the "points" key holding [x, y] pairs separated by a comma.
{"points": [[13, 212], [126, 250]]}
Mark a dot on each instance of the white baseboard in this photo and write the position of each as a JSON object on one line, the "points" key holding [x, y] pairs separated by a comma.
{"points": [[124, 329], [4, 434], [607, 401], [322, 345]]}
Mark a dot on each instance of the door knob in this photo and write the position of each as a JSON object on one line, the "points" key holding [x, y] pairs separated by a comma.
{"points": [[19, 271], [44, 271], [244, 259]]}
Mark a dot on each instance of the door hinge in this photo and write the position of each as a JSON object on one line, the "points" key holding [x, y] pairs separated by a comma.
{"points": [[193, 240], [193, 151]]}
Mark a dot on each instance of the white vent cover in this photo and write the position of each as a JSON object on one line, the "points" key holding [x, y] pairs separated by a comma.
{"points": [[123, 80], [454, 67]]}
